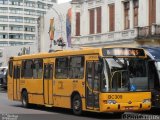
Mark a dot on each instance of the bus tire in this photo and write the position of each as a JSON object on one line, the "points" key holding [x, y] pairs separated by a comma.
{"points": [[77, 105], [24, 99]]}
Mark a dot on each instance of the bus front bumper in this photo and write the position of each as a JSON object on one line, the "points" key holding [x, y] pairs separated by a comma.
{"points": [[124, 107]]}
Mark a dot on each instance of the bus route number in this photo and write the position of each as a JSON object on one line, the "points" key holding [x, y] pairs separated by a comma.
{"points": [[114, 96]]}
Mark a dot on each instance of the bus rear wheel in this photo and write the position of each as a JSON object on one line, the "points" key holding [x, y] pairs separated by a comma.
{"points": [[77, 105], [25, 99]]}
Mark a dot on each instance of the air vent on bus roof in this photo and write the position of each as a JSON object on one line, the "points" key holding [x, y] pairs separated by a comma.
{"points": [[52, 50]]}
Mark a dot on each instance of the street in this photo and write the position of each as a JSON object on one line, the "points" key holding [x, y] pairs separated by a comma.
{"points": [[14, 110]]}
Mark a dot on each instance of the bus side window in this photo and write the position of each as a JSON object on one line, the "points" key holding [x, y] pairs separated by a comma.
{"points": [[10, 68], [76, 67], [16, 72], [61, 68], [27, 71], [37, 69], [48, 71]]}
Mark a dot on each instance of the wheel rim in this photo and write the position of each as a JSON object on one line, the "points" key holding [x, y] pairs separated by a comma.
{"points": [[77, 105]]}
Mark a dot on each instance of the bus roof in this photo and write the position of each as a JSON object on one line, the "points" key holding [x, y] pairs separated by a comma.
{"points": [[59, 53]]}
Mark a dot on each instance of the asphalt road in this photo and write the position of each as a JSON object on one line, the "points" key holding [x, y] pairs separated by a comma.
{"points": [[14, 111]]}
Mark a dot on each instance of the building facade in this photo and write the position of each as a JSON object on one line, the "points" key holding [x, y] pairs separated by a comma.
{"points": [[18, 20], [18, 25], [115, 22]]}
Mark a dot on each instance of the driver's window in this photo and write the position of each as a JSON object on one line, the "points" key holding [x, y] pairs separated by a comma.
{"points": [[116, 81]]}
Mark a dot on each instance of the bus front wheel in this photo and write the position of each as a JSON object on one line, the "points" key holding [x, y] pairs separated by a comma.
{"points": [[77, 105], [25, 99]]}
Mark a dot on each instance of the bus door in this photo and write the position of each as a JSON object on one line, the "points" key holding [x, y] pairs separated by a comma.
{"points": [[16, 83], [48, 83], [92, 85], [154, 83]]}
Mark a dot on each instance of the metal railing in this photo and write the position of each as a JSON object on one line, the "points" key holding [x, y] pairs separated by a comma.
{"points": [[149, 31]]}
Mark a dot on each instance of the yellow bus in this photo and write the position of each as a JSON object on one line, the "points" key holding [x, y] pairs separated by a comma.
{"points": [[111, 79]]}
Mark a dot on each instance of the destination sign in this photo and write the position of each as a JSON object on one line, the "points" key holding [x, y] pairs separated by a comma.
{"points": [[123, 52]]}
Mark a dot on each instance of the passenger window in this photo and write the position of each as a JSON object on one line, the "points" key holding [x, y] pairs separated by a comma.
{"points": [[16, 72], [61, 68], [37, 69], [48, 71], [76, 67], [27, 71], [10, 68]]}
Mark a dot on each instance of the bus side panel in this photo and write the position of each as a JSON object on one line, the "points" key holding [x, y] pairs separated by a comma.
{"points": [[62, 90], [36, 99], [34, 89], [10, 87], [60, 101]]}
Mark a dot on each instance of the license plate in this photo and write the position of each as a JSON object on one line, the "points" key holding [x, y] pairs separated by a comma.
{"points": [[129, 108]]}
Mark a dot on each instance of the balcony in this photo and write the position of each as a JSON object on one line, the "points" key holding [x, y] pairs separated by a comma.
{"points": [[149, 32], [136, 34], [106, 38]]}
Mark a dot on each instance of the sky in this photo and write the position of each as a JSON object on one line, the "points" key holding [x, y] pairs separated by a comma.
{"points": [[63, 1]]}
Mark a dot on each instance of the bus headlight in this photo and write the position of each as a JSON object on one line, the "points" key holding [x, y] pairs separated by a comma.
{"points": [[146, 101], [111, 102]]}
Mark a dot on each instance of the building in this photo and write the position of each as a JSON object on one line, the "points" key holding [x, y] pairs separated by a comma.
{"points": [[18, 24], [18, 20], [115, 22], [10, 51], [59, 13]]}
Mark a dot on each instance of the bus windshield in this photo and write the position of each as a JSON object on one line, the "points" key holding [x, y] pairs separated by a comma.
{"points": [[125, 74]]}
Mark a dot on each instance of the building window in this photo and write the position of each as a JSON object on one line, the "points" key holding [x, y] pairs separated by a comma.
{"points": [[152, 12], [26, 29], [4, 36], [27, 71], [112, 17], [78, 24], [99, 18], [11, 36], [136, 6], [61, 68], [37, 69], [91, 21], [126, 15], [76, 67]]}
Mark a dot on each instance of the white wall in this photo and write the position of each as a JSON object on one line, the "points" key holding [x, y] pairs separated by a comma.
{"points": [[143, 13], [14, 51], [158, 12], [58, 12]]}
